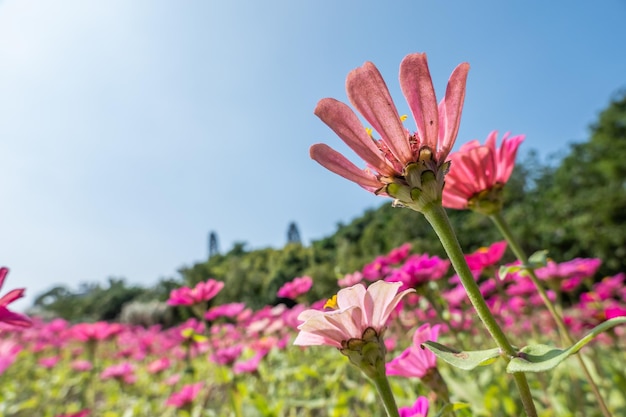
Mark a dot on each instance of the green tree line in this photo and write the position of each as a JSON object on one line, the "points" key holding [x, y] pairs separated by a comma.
{"points": [[574, 207]]}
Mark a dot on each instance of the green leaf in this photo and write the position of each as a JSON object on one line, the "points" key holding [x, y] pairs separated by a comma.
{"points": [[462, 359], [538, 259], [540, 358], [451, 408]]}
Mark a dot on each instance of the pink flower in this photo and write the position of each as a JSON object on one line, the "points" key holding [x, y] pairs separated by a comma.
{"points": [[203, 291], [357, 310], [484, 257], [9, 349], [185, 396], [415, 361], [159, 365], [350, 279], [82, 365], [418, 270], [224, 310], [296, 287], [419, 409], [478, 173], [399, 254], [250, 365], [49, 362], [123, 372], [100, 330], [6, 315], [396, 162]]}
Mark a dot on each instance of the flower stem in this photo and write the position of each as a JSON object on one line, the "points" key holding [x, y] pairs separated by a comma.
{"points": [[504, 229], [438, 219], [384, 390]]}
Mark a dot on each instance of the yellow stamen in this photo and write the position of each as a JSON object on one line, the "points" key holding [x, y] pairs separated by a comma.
{"points": [[403, 117], [331, 303], [369, 131]]}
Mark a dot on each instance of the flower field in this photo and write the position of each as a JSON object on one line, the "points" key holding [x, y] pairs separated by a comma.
{"points": [[232, 361]]}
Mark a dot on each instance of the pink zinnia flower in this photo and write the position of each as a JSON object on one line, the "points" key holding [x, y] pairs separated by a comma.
{"points": [[350, 279], [100, 330], [296, 287], [484, 257], [82, 413], [418, 409], [479, 172], [9, 349], [358, 309], [415, 361], [185, 396], [203, 291], [123, 372], [224, 310], [396, 162], [6, 315]]}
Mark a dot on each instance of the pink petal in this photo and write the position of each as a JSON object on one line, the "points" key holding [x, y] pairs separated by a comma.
{"points": [[340, 165], [342, 120], [11, 296], [369, 95], [450, 110], [13, 318], [417, 87]]}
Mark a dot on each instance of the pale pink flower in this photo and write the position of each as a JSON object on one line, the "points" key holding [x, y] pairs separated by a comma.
{"points": [[415, 361], [479, 172], [82, 365], [203, 291], [159, 365], [350, 279], [396, 161], [418, 409], [296, 287], [6, 315], [185, 396], [358, 309]]}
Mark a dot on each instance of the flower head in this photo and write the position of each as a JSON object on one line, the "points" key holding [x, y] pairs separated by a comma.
{"points": [[479, 172], [295, 287], [203, 291], [415, 361], [418, 409], [6, 315], [358, 309], [408, 167], [185, 396]]}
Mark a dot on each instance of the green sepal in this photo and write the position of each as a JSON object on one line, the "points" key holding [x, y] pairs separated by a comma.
{"points": [[540, 358], [466, 360]]}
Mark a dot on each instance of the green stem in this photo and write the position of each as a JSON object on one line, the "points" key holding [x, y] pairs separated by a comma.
{"points": [[437, 217], [384, 390], [504, 229]]}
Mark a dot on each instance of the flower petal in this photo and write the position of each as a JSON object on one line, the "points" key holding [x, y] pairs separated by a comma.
{"points": [[342, 120], [417, 87], [340, 165], [368, 93], [450, 110]]}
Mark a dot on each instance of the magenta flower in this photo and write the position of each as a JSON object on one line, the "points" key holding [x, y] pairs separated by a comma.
{"points": [[358, 309], [398, 162], [296, 287], [6, 315], [415, 361], [419, 270], [82, 413], [186, 396], [479, 172], [418, 409], [203, 291]]}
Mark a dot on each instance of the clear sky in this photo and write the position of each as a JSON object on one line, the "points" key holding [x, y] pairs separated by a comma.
{"points": [[130, 129]]}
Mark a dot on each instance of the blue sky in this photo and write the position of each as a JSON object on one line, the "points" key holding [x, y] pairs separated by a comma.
{"points": [[130, 129]]}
